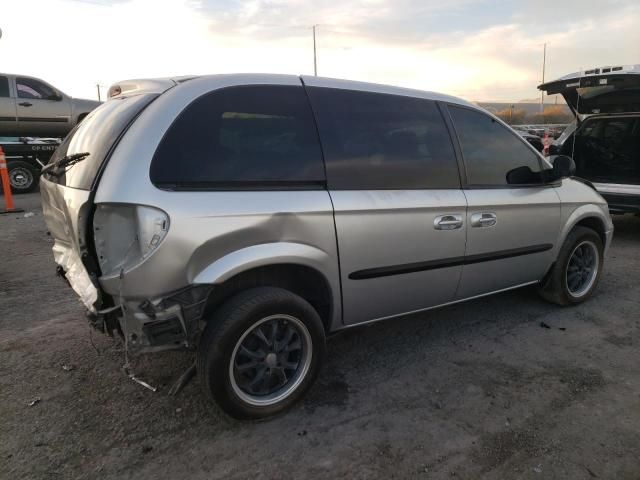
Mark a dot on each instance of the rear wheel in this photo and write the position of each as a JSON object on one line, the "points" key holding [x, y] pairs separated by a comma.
{"points": [[577, 269], [23, 177], [260, 352]]}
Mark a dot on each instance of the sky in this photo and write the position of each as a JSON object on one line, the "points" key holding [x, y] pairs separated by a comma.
{"points": [[476, 49]]}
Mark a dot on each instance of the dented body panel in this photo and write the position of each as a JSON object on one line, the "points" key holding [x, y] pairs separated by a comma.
{"points": [[216, 235], [65, 211]]}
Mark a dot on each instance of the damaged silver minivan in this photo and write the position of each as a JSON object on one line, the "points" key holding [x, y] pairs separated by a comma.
{"points": [[249, 216]]}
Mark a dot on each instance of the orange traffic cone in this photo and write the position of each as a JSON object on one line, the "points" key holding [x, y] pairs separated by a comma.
{"points": [[6, 186]]}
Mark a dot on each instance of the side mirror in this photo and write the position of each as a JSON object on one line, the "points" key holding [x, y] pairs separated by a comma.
{"points": [[55, 96], [563, 167], [522, 176]]}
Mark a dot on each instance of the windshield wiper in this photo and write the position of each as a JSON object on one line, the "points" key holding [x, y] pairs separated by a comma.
{"points": [[65, 162]]}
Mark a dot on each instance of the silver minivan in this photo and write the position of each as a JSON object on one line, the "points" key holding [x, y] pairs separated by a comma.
{"points": [[249, 216]]}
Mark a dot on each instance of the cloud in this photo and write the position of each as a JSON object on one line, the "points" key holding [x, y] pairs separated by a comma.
{"points": [[478, 49]]}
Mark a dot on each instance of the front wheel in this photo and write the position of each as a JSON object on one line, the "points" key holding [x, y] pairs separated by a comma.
{"points": [[577, 270], [260, 352]]}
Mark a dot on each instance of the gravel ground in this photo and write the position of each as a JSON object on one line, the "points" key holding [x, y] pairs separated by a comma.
{"points": [[477, 390]]}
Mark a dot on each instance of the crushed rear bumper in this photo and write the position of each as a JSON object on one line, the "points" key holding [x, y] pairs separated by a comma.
{"points": [[165, 323]]}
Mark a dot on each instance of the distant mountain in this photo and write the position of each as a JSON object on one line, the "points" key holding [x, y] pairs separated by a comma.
{"points": [[548, 100], [531, 108]]}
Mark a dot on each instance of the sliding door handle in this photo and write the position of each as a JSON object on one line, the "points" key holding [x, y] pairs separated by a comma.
{"points": [[484, 219], [447, 222]]}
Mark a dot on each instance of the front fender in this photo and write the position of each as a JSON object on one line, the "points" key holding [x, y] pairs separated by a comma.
{"points": [[260, 255], [581, 213]]}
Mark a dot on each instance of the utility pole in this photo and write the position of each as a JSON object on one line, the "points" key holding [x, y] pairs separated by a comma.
{"points": [[511, 114], [98, 87], [315, 61], [544, 63]]}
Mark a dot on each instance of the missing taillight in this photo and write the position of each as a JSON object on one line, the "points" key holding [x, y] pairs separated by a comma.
{"points": [[125, 235]]}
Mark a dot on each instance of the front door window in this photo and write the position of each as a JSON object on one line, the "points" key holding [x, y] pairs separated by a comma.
{"points": [[34, 89]]}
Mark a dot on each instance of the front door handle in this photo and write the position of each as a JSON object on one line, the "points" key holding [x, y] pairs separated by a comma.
{"points": [[25, 104], [447, 222], [484, 219]]}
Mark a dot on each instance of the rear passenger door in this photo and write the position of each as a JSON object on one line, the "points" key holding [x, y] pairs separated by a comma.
{"points": [[399, 211], [512, 223]]}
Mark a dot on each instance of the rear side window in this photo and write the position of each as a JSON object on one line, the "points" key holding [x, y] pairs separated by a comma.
{"points": [[489, 149], [4, 87], [242, 137], [374, 141]]}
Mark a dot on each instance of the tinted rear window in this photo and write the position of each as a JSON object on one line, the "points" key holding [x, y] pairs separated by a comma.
{"points": [[97, 134], [242, 137], [375, 141]]}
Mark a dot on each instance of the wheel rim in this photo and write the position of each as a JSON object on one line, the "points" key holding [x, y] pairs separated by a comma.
{"points": [[20, 178], [582, 268], [270, 360]]}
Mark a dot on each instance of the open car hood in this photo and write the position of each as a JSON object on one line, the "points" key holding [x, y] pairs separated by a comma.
{"points": [[599, 90]]}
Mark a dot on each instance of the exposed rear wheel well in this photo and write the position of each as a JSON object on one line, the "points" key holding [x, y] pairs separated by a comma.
{"points": [[304, 281], [596, 225]]}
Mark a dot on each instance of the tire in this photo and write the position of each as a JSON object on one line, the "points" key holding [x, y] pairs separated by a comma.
{"points": [[23, 177], [234, 330], [559, 288]]}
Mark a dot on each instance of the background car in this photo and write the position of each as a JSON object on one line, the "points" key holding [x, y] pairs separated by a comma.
{"points": [[31, 107], [25, 158], [604, 139]]}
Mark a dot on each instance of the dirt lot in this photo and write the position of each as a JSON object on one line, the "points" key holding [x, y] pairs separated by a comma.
{"points": [[476, 390]]}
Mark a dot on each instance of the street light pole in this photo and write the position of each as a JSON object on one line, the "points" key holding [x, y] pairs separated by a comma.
{"points": [[315, 61], [544, 62]]}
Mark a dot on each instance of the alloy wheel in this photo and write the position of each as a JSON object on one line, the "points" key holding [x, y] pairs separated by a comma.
{"points": [[270, 360], [582, 268]]}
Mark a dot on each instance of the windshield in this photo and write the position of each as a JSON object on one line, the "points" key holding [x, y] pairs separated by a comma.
{"points": [[97, 134]]}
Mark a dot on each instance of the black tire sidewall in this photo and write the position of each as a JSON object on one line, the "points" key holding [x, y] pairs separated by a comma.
{"points": [[576, 237], [226, 327], [14, 164]]}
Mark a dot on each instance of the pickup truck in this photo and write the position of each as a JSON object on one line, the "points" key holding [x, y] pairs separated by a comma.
{"points": [[31, 107]]}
